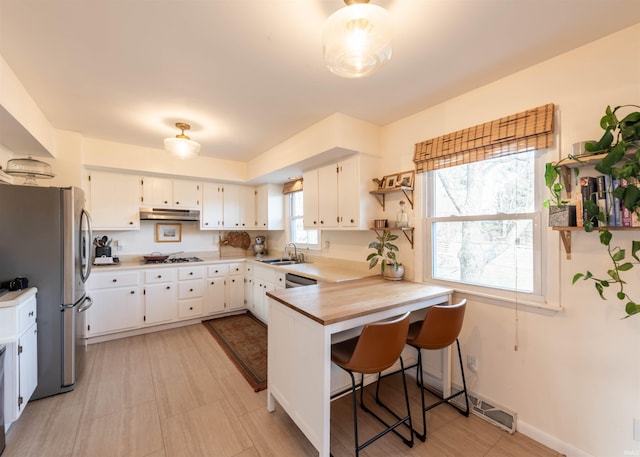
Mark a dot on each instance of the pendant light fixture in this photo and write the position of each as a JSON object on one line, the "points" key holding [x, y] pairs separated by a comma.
{"points": [[182, 146], [357, 39]]}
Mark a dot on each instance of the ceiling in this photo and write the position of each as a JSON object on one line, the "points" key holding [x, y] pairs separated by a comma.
{"points": [[249, 74]]}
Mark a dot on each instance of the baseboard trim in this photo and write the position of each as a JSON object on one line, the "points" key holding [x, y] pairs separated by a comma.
{"points": [[550, 441]]}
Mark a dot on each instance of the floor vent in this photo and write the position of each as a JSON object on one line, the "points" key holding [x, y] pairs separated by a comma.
{"points": [[489, 411]]}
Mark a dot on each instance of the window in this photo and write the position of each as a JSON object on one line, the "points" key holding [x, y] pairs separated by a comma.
{"points": [[482, 224], [309, 239]]}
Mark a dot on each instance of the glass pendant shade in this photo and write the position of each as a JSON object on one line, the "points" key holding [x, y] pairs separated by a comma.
{"points": [[182, 146], [357, 40]]}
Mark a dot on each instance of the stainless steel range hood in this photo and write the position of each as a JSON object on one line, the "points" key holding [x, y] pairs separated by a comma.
{"points": [[169, 214]]}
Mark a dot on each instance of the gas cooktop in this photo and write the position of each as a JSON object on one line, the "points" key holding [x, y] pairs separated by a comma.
{"points": [[175, 260]]}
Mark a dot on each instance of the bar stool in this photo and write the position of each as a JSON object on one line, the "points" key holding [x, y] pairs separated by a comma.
{"points": [[439, 329], [376, 349]]}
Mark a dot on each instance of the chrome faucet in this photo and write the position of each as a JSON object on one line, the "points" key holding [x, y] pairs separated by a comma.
{"points": [[295, 251]]}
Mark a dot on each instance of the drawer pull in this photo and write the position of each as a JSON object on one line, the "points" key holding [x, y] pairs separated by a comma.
{"points": [[132, 292], [190, 290], [191, 273], [190, 308], [159, 276], [114, 280], [168, 287]]}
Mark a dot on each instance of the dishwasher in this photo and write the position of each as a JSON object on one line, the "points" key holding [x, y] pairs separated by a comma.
{"points": [[292, 280]]}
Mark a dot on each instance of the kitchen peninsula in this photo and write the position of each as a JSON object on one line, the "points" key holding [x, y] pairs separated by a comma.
{"points": [[303, 322]]}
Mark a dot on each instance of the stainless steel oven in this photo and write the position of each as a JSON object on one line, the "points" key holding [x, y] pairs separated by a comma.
{"points": [[292, 280]]}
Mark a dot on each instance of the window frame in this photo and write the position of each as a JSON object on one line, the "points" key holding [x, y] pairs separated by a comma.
{"points": [[541, 280], [291, 220]]}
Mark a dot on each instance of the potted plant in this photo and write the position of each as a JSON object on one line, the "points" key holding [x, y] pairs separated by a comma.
{"points": [[385, 254], [561, 214], [619, 143]]}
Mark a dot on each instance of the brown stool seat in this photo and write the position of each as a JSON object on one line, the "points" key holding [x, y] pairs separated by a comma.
{"points": [[377, 348], [438, 330]]}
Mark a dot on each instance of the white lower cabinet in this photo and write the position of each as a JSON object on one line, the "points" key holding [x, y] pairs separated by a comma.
{"points": [[19, 332], [134, 299], [160, 296], [265, 279], [225, 287], [190, 292], [116, 302]]}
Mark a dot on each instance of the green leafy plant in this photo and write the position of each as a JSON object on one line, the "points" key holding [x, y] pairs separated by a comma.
{"points": [[620, 138], [553, 181], [385, 251]]}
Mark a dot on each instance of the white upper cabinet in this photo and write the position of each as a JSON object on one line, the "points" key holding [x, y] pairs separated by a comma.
{"points": [[231, 206], [170, 193], [114, 201], [337, 196], [212, 207], [247, 207], [239, 206], [270, 207], [186, 194], [310, 200]]}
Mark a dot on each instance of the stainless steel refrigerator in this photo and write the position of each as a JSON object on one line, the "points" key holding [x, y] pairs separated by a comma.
{"points": [[45, 236]]}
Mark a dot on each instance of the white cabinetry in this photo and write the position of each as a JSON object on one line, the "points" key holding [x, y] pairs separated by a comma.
{"points": [[18, 331], [235, 286], [190, 292], [225, 287], [269, 207], [212, 207], [239, 206], [216, 288], [114, 201], [265, 279], [248, 285], [170, 193], [116, 302], [337, 196], [160, 296]]}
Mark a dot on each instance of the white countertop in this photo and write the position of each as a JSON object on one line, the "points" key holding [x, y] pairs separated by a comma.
{"points": [[16, 297], [321, 269]]}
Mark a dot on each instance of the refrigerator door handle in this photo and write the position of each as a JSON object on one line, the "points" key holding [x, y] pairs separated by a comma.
{"points": [[85, 245], [87, 304]]}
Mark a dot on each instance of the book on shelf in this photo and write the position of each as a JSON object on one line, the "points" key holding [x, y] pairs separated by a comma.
{"points": [[577, 199], [589, 191], [625, 214]]}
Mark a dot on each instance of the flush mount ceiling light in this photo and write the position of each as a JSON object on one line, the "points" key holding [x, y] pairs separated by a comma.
{"points": [[182, 146], [357, 39]]}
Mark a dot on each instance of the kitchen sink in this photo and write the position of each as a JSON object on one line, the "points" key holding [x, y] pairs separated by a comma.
{"points": [[282, 261]]}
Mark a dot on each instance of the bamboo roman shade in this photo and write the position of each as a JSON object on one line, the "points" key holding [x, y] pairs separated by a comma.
{"points": [[292, 186], [531, 129]]}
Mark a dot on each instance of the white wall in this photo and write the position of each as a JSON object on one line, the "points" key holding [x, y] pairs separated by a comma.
{"points": [[575, 379]]}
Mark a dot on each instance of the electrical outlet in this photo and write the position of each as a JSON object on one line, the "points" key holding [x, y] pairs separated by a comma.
{"points": [[472, 363]]}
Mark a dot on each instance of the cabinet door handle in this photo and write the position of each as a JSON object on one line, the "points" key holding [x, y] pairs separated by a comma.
{"points": [[168, 287], [233, 280], [30, 313], [190, 308], [190, 290], [114, 280], [206, 223], [191, 273], [159, 276], [322, 222], [132, 292]]}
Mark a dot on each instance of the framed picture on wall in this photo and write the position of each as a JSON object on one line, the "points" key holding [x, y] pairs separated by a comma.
{"points": [[167, 233], [406, 178], [390, 181]]}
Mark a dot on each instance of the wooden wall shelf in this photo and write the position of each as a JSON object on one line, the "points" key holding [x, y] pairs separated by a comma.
{"points": [[565, 234], [380, 194], [408, 232]]}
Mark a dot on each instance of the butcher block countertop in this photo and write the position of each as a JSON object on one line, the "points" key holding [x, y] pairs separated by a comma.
{"points": [[328, 303]]}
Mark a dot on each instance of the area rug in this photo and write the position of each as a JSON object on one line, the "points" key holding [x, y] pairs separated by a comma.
{"points": [[244, 339]]}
